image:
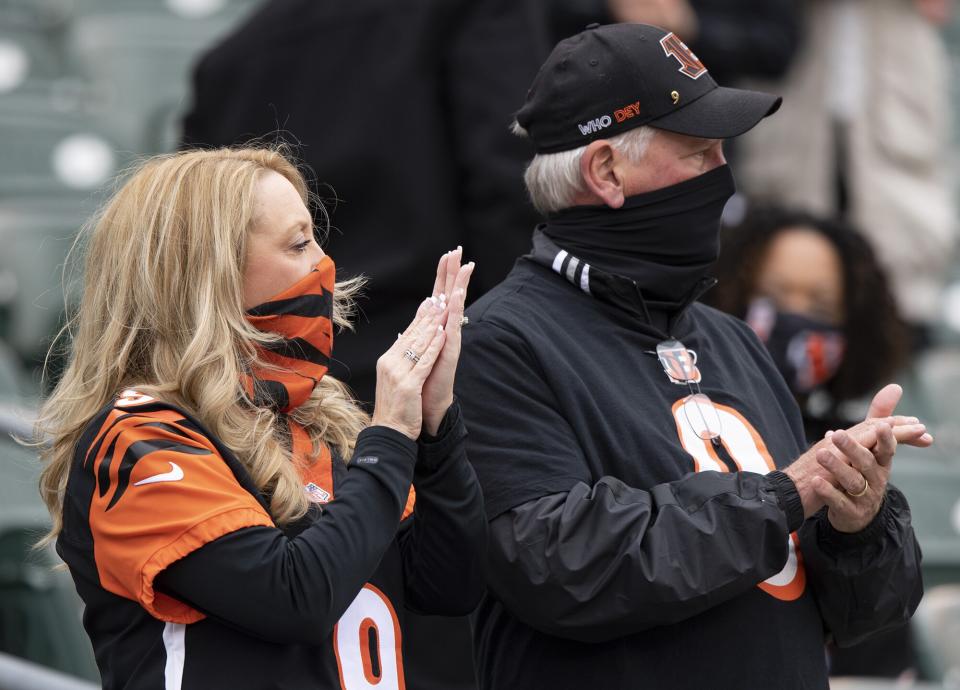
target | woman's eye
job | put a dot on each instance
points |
(302, 247)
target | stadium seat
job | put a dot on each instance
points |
(142, 60)
(36, 237)
(47, 151)
(39, 608)
(937, 630)
(25, 55)
(852, 683)
(937, 396)
(47, 15)
(932, 487)
(10, 373)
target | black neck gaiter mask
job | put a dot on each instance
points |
(664, 240)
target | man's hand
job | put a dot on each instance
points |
(805, 471)
(861, 478)
(450, 292)
(832, 466)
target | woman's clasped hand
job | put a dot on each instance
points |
(415, 376)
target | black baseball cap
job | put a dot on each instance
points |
(609, 79)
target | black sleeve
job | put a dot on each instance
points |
(295, 590)
(609, 560)
(443, 550)
(514, 422)
(865, 582)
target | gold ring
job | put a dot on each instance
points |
(866, 487)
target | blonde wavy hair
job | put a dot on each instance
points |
(161, 312)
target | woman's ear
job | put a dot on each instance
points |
(601, 176)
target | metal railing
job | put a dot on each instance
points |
(17, 674)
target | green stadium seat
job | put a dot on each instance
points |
(190, 9)
(142, 61)
(932, 486)
(25, 55)
(10, 374)
(852, 683)
(47, 15)
(47, 151)
(36, 237)
(39, 608)
(937, 629)
(931, 388)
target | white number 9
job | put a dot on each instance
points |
(746, 447)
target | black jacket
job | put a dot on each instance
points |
(188, 583)
(627, 552)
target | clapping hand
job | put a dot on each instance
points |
(449, 293)
(861, 459)
(403, 369)
(847, 471)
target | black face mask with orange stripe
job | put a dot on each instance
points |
(302, 315)
(664, 240)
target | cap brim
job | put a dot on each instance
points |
(720, 113)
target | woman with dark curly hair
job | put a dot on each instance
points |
(813, 290)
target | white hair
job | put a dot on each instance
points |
(553, 179)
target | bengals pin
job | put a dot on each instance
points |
(679, 363)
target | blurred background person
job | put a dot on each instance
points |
(864, 133)
(737, 38)
(401, 111)
(814, 292)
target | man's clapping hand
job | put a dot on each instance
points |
(847, 471)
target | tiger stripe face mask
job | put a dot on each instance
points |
(303, 316)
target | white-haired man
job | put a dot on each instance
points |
(628, 439)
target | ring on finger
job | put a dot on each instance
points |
(464, 321)
(411, 355)
(866, 487)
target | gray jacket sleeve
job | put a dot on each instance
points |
(865, 582)
(603, 561)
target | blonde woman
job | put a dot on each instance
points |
(230, 517)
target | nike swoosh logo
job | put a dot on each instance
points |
(174, 475)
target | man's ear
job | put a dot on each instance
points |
(600, 173)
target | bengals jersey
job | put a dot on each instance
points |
(627, 548)
(188, 583)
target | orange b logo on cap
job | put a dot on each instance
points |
(690, 64)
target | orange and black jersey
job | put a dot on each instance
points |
(188, 583)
